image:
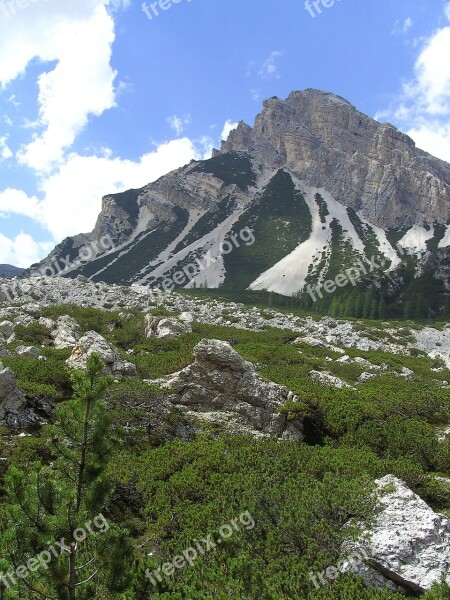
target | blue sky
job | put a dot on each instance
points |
(95, 97)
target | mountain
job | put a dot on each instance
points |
(313, 190)
(10, 271)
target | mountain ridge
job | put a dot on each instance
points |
(321, 187)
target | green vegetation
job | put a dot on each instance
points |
(232, 168)
(63, 502)
(32, 334)
(323, 208)
(161, 485)
(280, 220)
(142, 251)
(42, 378)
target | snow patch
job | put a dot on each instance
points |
(446, 239)
(288, 276)
(415, 240)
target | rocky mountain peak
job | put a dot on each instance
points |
(371, 167)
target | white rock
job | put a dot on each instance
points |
(49, 323)
(326, 378)
(94, 342)
(408, 541)
(186, 317)
(165, 327)
(67, 333)
(344, 359)
(6, 328)
(30, 351)
(365, 377)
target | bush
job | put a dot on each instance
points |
(89, 319)
(35, 334)
(32, 374)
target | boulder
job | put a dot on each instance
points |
(30, 351)
(222, 388)
(24, 320)
(46, 322)
(407, 545)
(94, 342)
(6, 328)
(326, 378)
(14, 411)
(67, 333)
(167, 327)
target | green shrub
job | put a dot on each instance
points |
(35, 334)
(32, 374)
(89, 319)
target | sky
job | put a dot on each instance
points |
(100, 96)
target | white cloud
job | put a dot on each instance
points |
(227, 128)
(17, 202)
(72, 197)
(80, 85)
(269, 67)
(422, 109)
(22, 251)
(72, 42)
(407, 24)
(254, 94)
(5, 151)
(447, 11)
(179, 124)
(404, 27)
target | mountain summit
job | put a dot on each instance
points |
(314, 189)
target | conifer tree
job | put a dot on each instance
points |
(56, 542)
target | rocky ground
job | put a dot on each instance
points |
(331, 333)
(225, 391)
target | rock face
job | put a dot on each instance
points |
(373, 168)
(30, 351)
(326, 378)
(165, 327)
(220, 387)
(408, 545)
(6, 328)
(313, 164)
(93, 342)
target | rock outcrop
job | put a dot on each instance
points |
(166, 327)
(29, 351)
(67, 333)
(408, 545)
(221, 388)
(14, 411)
(373, 168)
(92, 343)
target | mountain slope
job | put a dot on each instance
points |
(313, 189)
(10, 271)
